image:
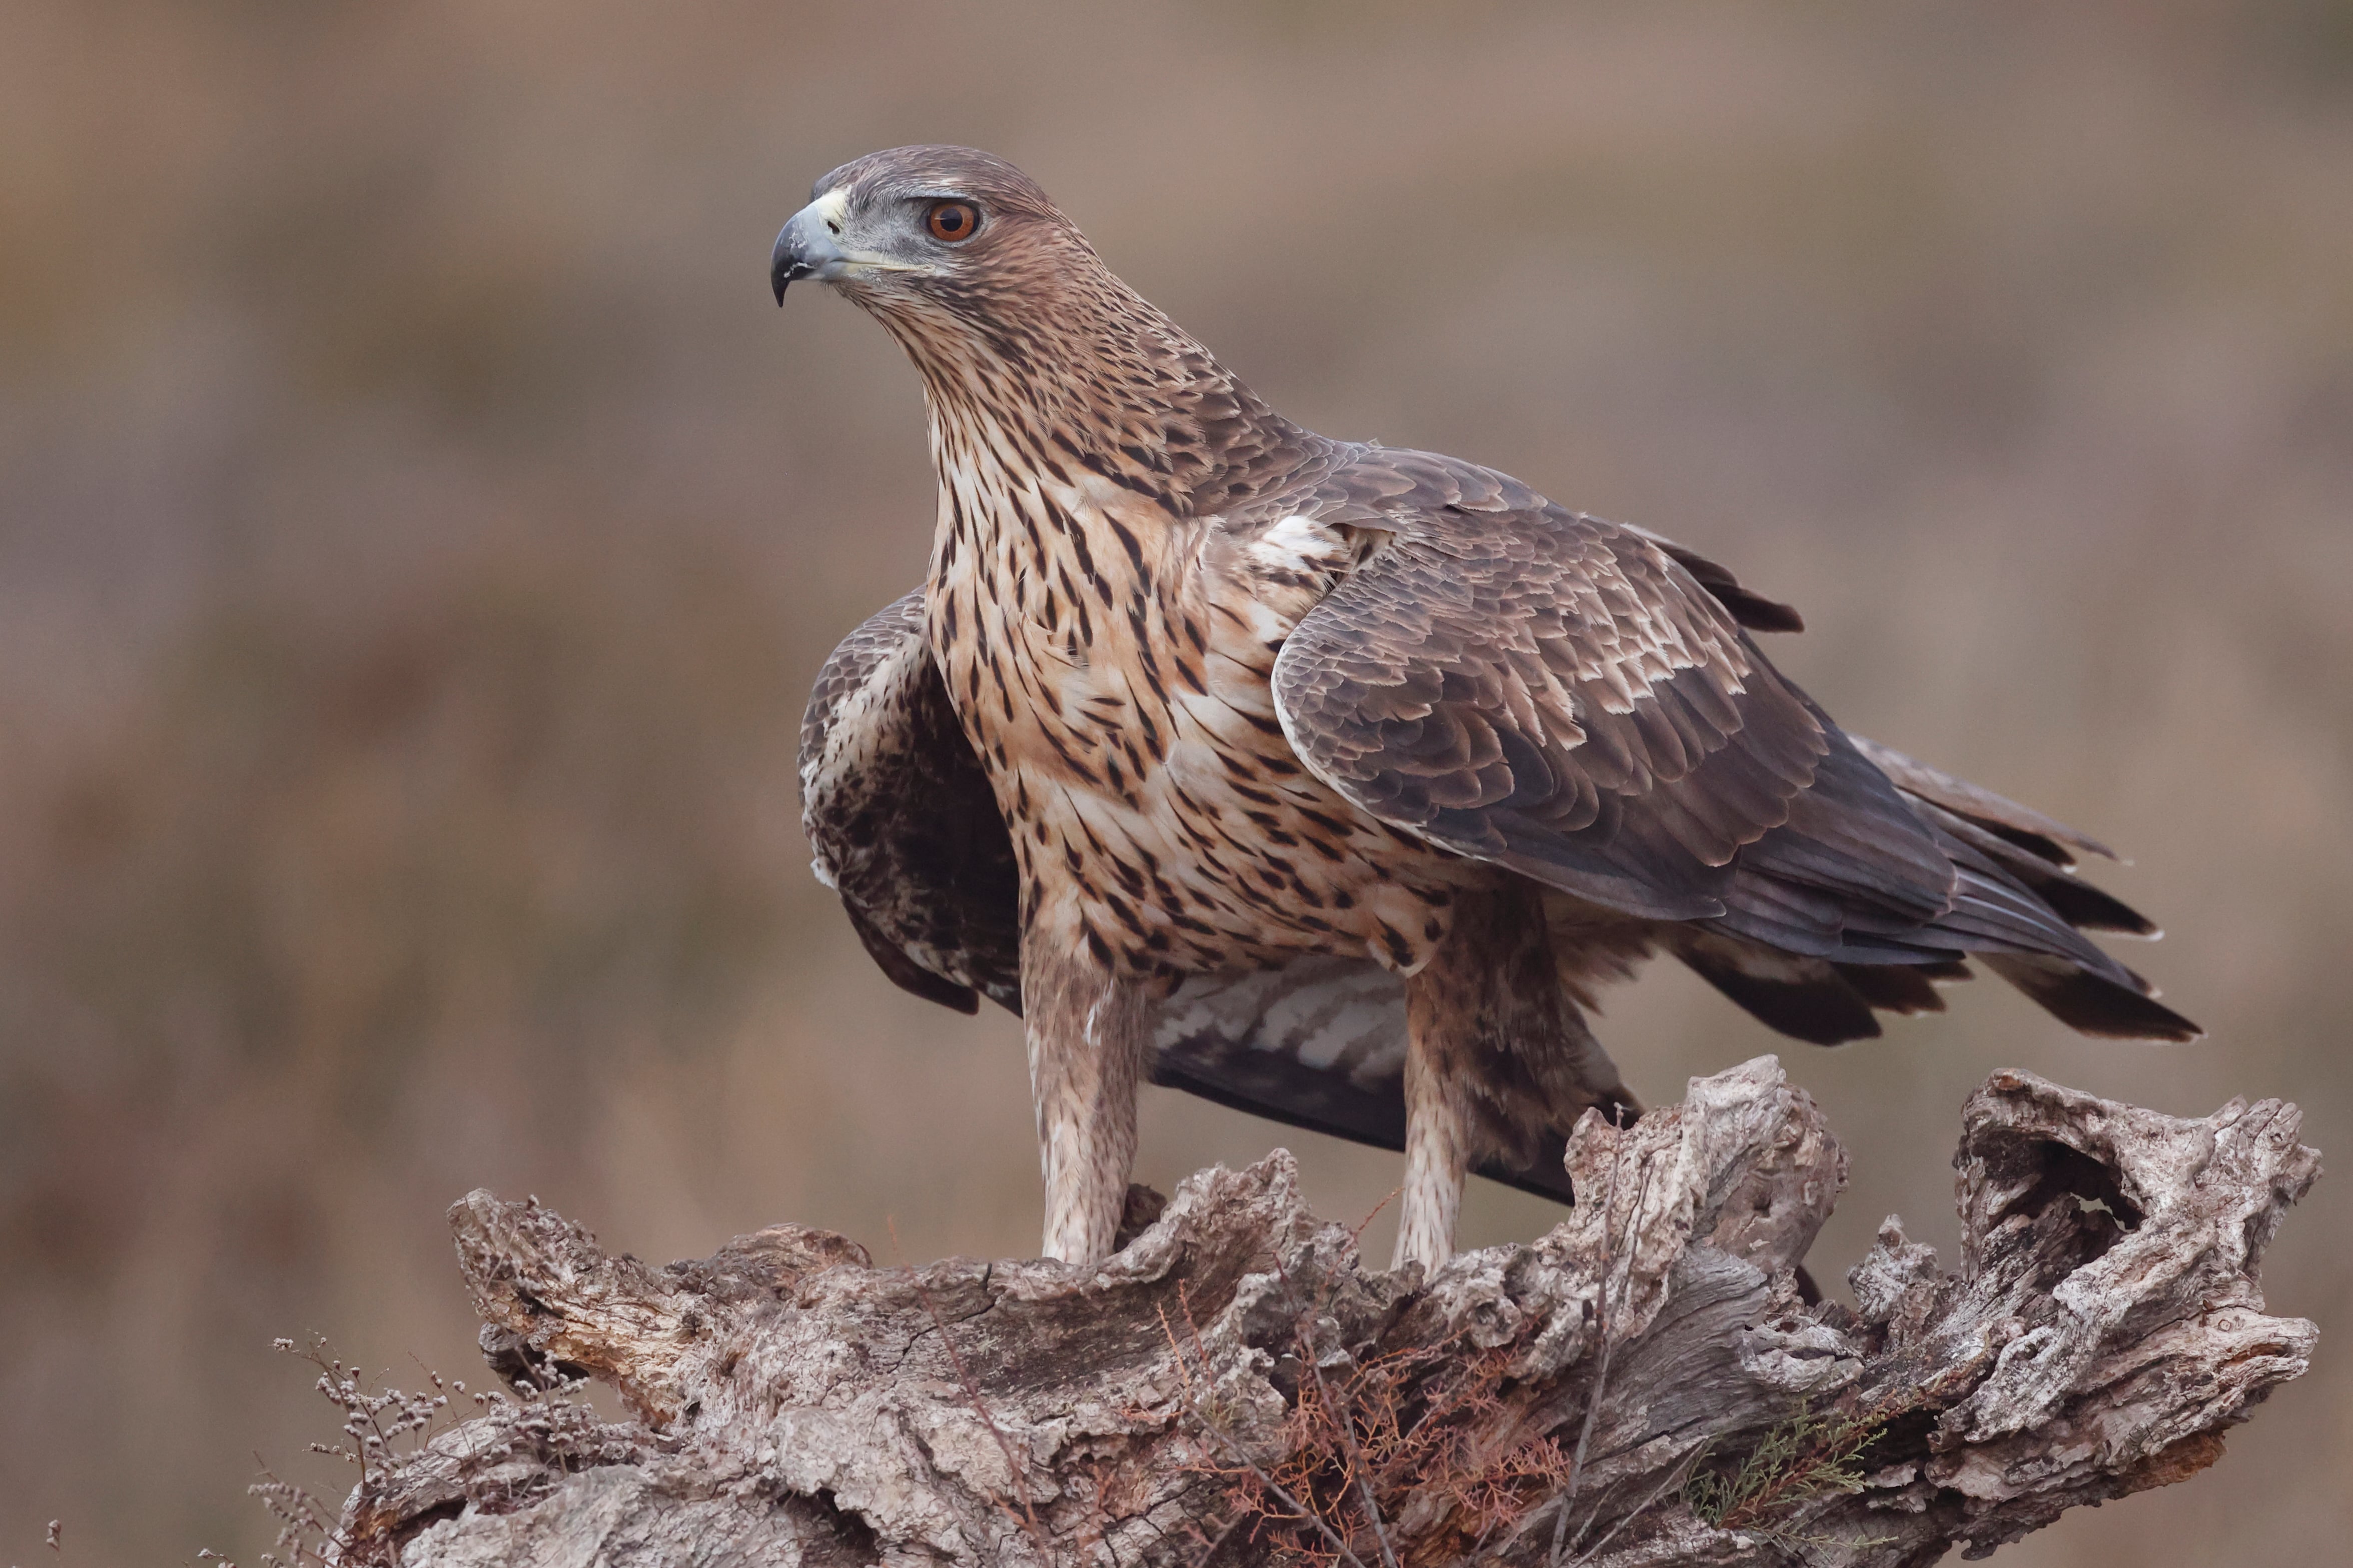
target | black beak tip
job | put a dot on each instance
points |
(781, 268)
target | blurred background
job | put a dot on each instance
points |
(419, 529)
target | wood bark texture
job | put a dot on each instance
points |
(1642, 1385)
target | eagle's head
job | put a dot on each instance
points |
(933, 240)
(1008, 312)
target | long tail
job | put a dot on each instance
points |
(2019, 907)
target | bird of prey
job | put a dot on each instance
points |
(1331, 780)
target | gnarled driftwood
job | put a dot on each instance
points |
(1641, 1385)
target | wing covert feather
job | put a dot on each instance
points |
(1542, 690)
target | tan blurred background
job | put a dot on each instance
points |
(418, 530)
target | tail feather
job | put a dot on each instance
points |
(2045, 836)
(2080, 904)
(1801, 952)
(2091, 1002)
(1909, 989)
(1804, 998)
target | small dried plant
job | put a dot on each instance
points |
(1810, 1456)
(1436, 1429)
(1362, 1440)
(383, 1427)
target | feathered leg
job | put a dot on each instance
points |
(1088, 1030)
(1437, 1142)
(1498, 1059)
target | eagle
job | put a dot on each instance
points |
(1333, 780)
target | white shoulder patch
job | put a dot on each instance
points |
(1297, 542)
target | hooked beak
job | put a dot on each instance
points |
(806, 249)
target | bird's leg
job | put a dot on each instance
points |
(1436, 1143)
(1498, 1059)
(1446, 1011)
(1089, 1029)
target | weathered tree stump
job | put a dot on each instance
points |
(1642, 1385)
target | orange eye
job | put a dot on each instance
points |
(952, 221)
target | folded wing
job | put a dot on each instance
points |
(902, 821)
(1563, 696)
